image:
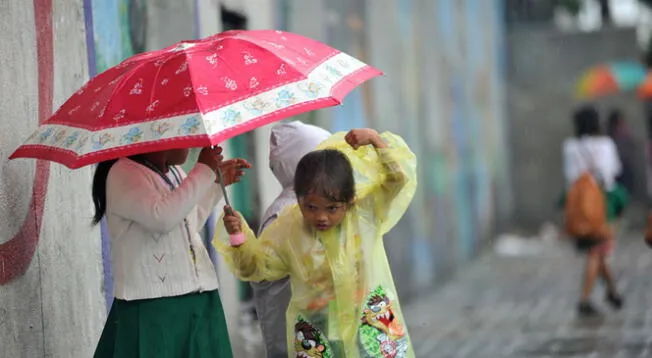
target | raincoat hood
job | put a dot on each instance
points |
(289, 142)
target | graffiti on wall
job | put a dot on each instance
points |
(17, 253)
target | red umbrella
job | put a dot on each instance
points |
(195, 94)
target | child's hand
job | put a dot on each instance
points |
(232, 221)
(233, 170)
(357, 138)
(211, 157)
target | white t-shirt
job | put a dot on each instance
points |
(597, 154)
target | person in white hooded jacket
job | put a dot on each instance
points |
(289, 142)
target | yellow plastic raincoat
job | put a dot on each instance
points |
(344, 302)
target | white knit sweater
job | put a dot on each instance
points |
(151, 248)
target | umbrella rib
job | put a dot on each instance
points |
(160, 68)
(283, 58)
(192, 84)
(130, 72)
(154, 84)
(121, 83)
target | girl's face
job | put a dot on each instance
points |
(177, 156)
(321, 212)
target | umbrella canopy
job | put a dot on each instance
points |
(195, 94)
(610, 78)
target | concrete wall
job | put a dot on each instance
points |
(50, 262)
(543, 67)
(443, 91)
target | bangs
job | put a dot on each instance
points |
(326, 187)
(326, 173)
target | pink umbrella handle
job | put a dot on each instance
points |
(220, 178)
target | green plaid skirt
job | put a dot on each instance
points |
(188, 326)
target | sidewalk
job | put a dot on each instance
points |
(505, 307)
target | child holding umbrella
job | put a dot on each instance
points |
(166, 299)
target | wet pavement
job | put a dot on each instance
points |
(524, 306)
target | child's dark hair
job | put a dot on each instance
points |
(614, 120)
(327, 173)
(99, 189)
(586, 121)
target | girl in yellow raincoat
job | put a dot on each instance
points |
(350, 192)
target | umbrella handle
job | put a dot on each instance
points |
(220, 178)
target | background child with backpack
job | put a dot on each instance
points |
(592, 202)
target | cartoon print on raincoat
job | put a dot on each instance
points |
(334, 272)
(309, 342)
(381, 333)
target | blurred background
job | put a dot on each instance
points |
(482, 90)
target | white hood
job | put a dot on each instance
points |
(289, 142)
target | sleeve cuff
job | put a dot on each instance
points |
(237, 240)
(203, 171)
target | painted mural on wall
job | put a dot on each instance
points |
(466, 36)
(449, 57)
(111, 32)
(17, 253)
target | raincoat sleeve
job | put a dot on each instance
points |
(257, 259)
(386, 178)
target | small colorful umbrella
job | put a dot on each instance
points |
(611, 78)
(195, 94)
(644, 91)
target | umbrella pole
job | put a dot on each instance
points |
(220, 177)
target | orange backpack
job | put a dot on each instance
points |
(585, 210)
(648, 228)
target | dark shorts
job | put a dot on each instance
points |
(585, 245)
